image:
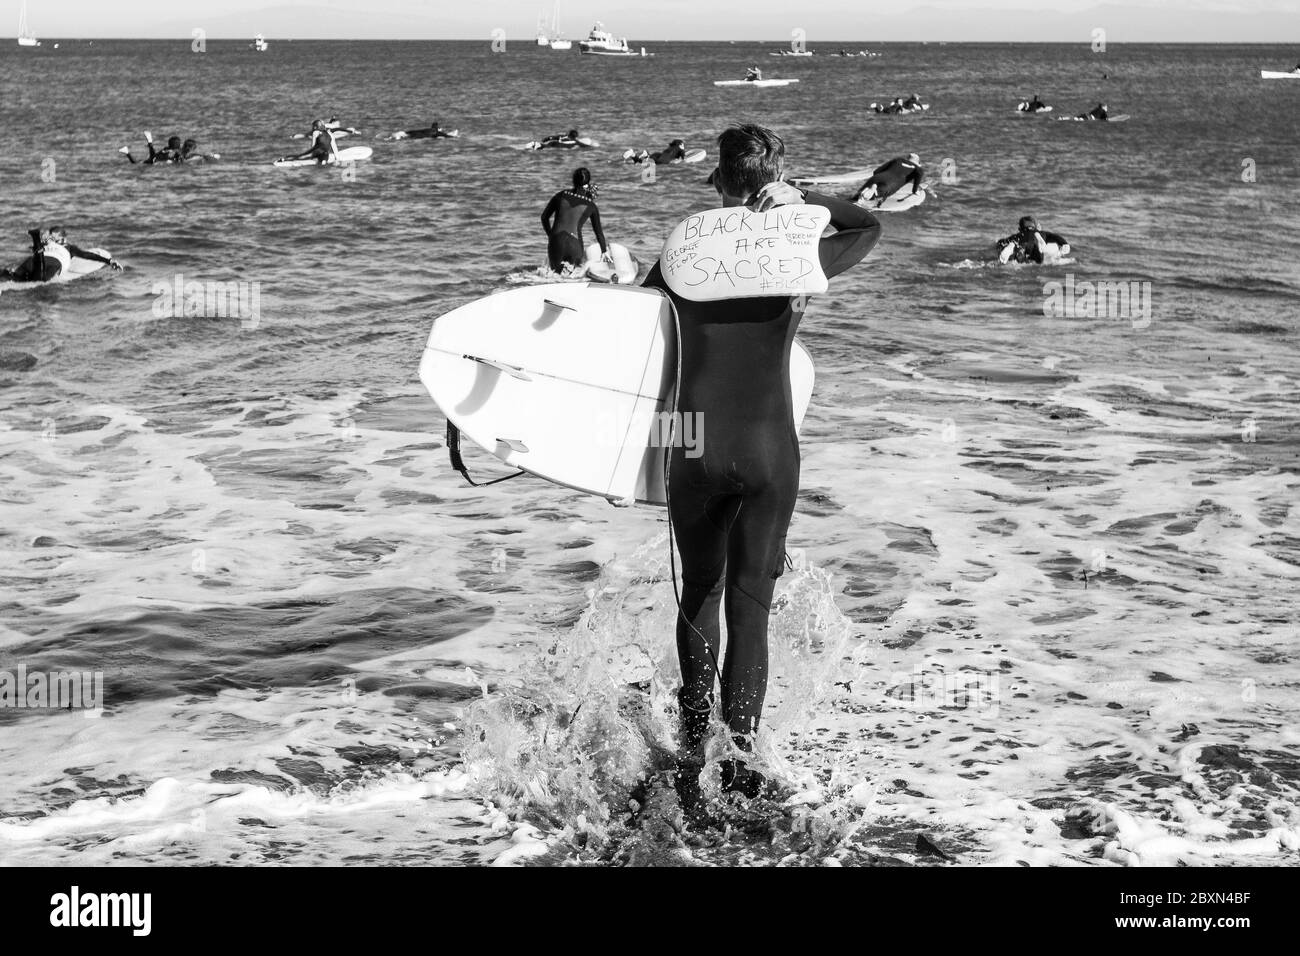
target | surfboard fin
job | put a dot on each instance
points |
(560, 305)
(514, 444)
(510, 370)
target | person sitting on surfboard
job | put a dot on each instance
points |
(51, 255)
(322, 146)
(171, 153)
(753, 74)
(569, 209)
(1034, 105)
(731, 499)
(1030, 243)
(892, 176)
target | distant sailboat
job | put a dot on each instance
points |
(558, 42)
(543, 38)
(25, 37)
(260, 44)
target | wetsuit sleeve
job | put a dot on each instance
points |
(551, 210)
(857, 231)
(595, 225)
(80, 253)
(655, 278)
(915, 178)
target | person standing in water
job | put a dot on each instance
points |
(562, 221)
(730, 502)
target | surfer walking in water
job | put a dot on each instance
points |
(562, 221)
(731, 499)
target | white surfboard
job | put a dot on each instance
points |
(753, 82)
(622, 271)
(900, 201)
(573, 383)
(834, 179)
(352, 154)
(1279, 75)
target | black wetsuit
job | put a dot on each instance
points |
(320, 147)
(1027, 248)
(570, 210)
(433, 131)
(669, 155)
(160, 157)
(731, 505)
(892, 176)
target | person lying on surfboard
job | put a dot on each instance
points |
(675, 151)
(322, 146)
(570, 140)
(913, 103)
(569, 209)
(1098, 112)
(51, 255)
(1030, 242)
(171, 153)
(730, 500)
(433, 131)
(892, 176)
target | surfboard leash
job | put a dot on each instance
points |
(458, 463)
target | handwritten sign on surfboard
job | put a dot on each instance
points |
(735, 253)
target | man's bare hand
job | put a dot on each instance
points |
(776, 194)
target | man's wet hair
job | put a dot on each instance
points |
(1028, 222)
(749, 157)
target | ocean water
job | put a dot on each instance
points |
(1044, 600)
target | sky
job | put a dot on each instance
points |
(828, 21)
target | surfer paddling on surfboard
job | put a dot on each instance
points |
(1031, 244)
(676, 152)
(731, 495)
(562, 221)
(52, 255)
(892, 176)
(173, 152)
